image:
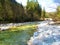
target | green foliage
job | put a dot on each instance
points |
(43, 14)
(33, 10)
(57, 14)
(11, 11)
(58, 11)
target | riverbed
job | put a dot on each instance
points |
(46, 34)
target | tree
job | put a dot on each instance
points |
(58, 12)
(43, 14)
(33, 9)
(56, 15)
(11, 11)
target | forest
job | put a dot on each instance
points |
(11, 11)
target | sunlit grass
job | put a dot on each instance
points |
(17, 35)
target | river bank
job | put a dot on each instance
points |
(10, 25)
(18, 35)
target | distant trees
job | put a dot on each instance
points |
(11, 11)
(43, 15)
(58, 13)
(33, 10)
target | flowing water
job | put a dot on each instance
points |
(46, 34)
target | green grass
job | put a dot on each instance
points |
(17, 35)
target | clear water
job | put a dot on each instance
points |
(46, 34)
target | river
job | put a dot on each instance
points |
(46, 34)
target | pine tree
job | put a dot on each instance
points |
(33, 9)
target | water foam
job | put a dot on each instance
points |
(46, 35)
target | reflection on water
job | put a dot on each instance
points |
(46, 34)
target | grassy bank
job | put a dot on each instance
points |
(17, 35)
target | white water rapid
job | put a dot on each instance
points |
(46, 34)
